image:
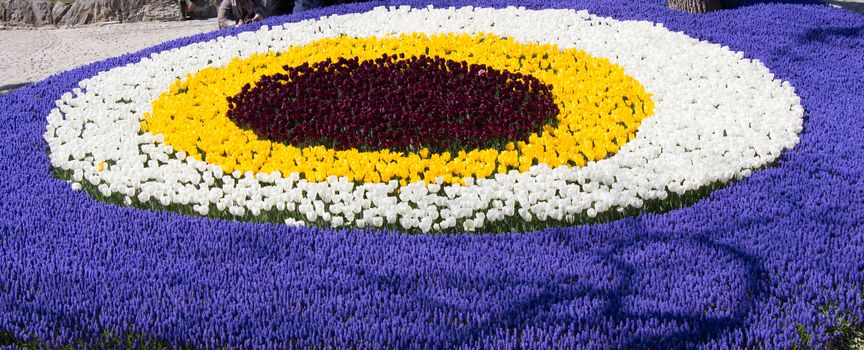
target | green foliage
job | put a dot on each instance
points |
(107, 340)
(846, 333)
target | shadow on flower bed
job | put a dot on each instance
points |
(5, 89)
(846, 4)
(703, 305)
(832, 35)
(744, 3)
(690, 290)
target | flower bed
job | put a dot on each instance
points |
(711, 123)
(647, 115)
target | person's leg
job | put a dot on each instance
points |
(229, 21)
(184, 10)
(278, 7)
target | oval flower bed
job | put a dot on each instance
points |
(424, 118)
(718, 120)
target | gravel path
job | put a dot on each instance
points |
(30, 55)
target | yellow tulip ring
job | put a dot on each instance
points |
(600, 109)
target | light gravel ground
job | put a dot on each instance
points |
(30, 55)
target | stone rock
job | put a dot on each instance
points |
(16, 11)
(78, 12)
(59, 10)
(42, 12)
(92, 11)
(154, 10)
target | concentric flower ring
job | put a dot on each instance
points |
(600, 109)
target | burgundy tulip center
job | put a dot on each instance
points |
(395, 103)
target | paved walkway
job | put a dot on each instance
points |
(30, 55)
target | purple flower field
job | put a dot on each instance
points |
(770, 261)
